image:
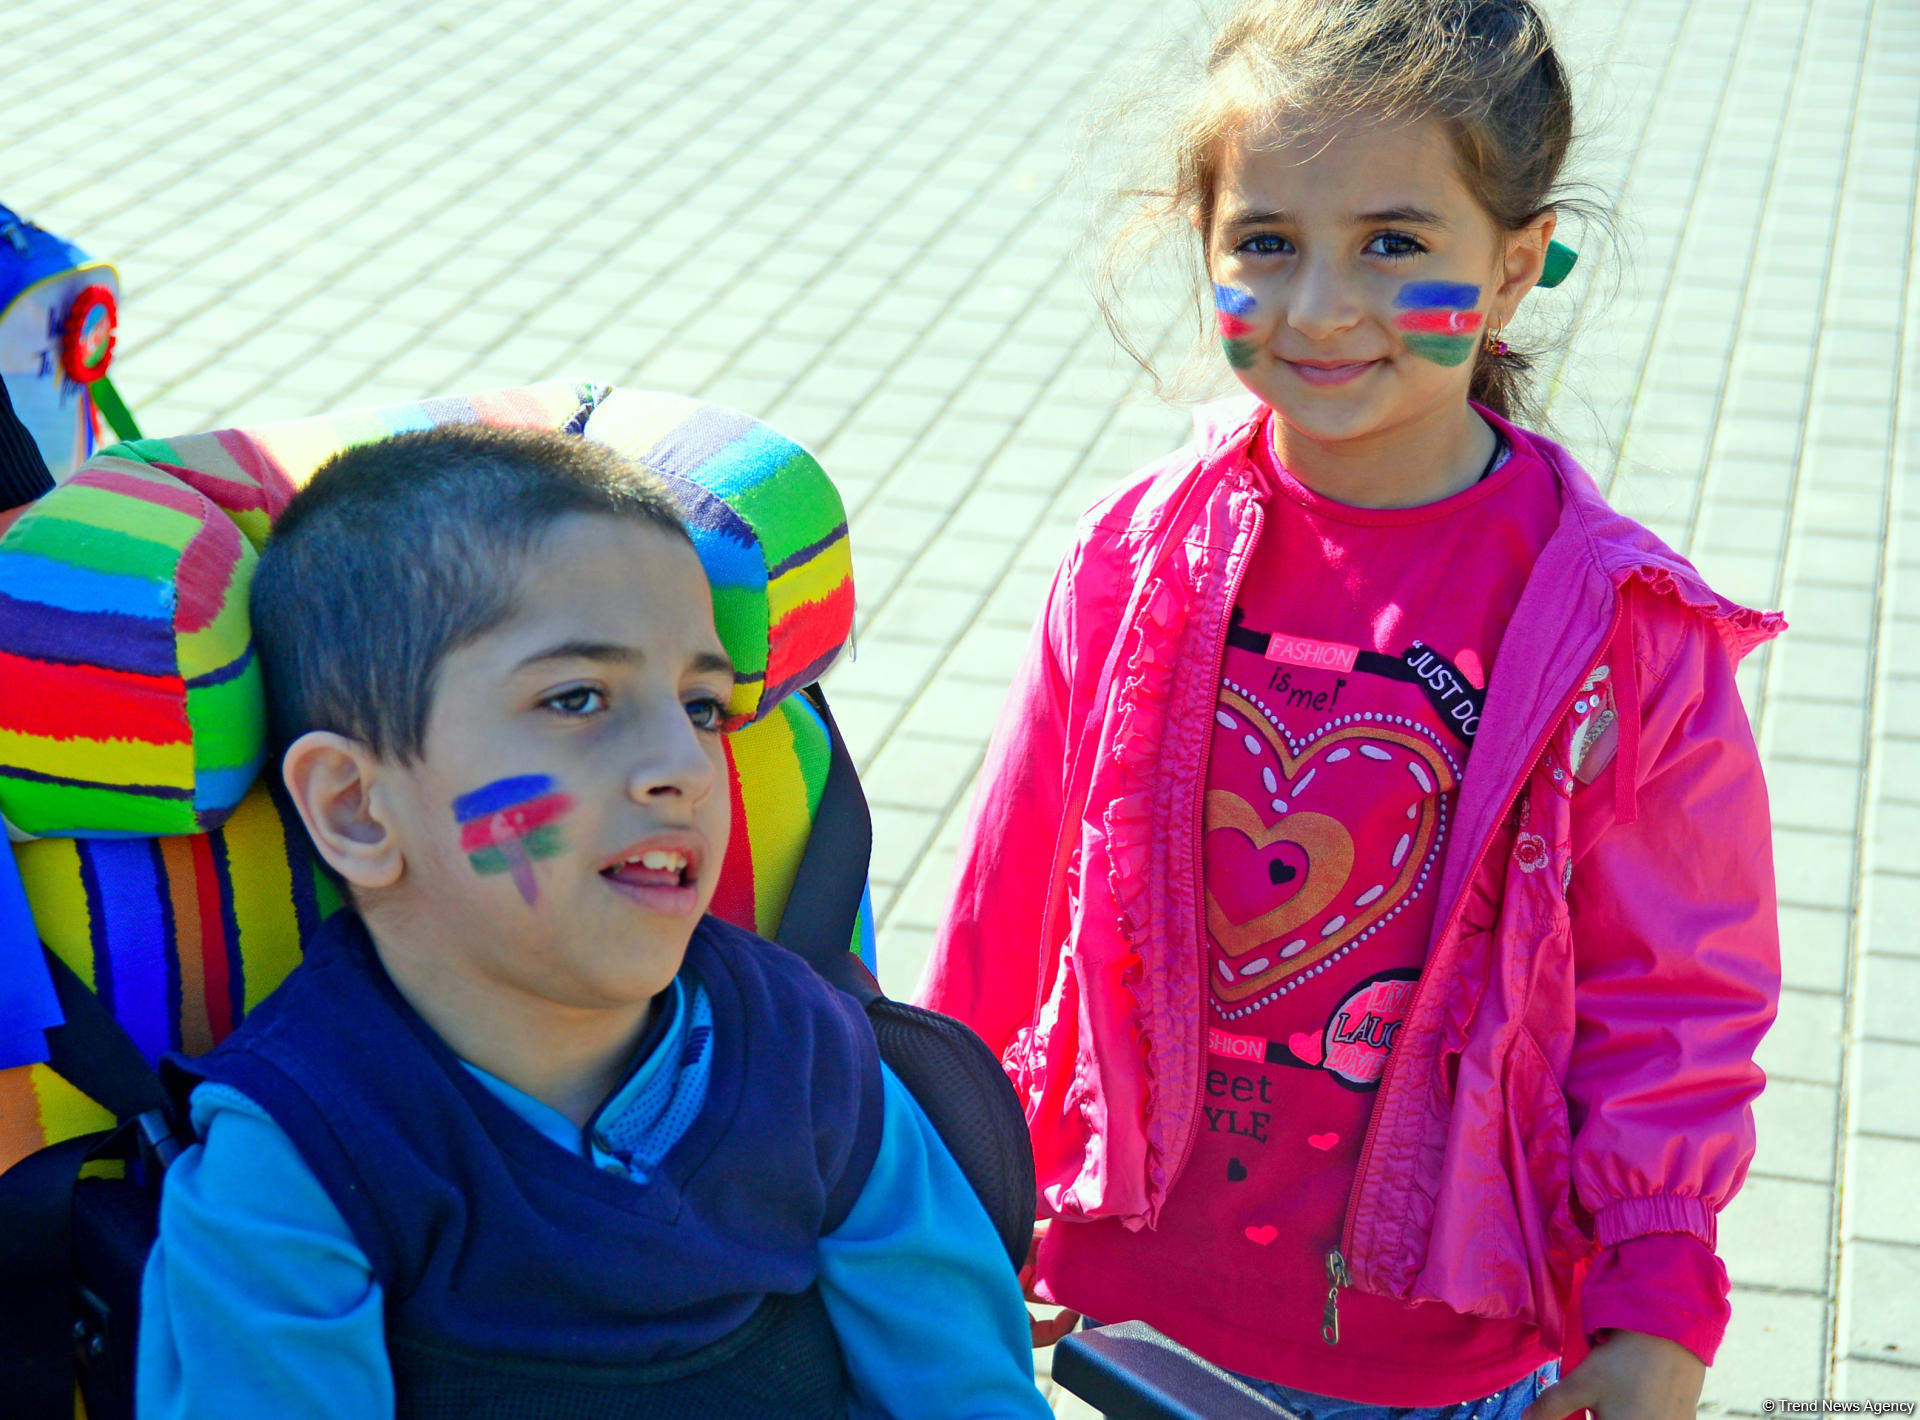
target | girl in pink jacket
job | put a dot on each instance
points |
(1369, 886)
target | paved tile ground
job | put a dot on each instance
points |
(850, 216)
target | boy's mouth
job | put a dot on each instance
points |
(661, 873)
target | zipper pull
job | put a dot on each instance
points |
(1337, 1277)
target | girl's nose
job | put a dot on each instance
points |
(673, 762)
(1320, 304)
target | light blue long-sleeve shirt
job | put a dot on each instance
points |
(257, 1300)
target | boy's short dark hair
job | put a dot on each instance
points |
(401, 551)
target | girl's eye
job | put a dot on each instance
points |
(706, 712)
(1265, 244)
(579, 702)
(1394, 244)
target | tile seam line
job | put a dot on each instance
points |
(449, 103)
(1587, 293)
(844, 121)
(840, 185)
(371, 204)
(378, 366)
(323, 21)
(694, 317)
(1686, 221)
(1073, 92)
(320, 283)
(1882, 623)
(128, 52)
(1776, 1289)
(1039, 209)
(1025, 219)
(1702, 488)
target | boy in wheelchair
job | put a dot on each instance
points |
(527, 1131)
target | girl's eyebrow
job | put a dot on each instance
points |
(1280, 217)
(1412, 216)
(1246, 217)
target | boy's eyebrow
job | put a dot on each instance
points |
(610, 651)
(613, 652)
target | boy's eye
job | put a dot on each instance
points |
(1392, 244)
(1265, 244)
(579, 701)
(706, 712)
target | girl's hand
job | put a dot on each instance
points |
(1045, 1333)
(1629, 1376)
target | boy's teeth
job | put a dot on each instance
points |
(662, 861)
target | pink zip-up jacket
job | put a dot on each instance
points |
(1576, 1069)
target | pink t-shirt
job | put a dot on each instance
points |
(1350, 694)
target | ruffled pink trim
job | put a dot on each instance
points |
(1743, 627)
(1145, 683)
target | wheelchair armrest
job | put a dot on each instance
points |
(1129, 1371)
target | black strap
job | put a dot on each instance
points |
(96, 1056)
(824, 904)
(36, 1280)
(23, 472)
(94, 1053)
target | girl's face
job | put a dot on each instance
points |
(1355, 275)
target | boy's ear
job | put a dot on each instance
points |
(1526, 257)
(333, 783)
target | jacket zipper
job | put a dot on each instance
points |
(1330, 1314)
(1199, 800)
(1337, 1274)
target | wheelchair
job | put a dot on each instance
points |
(159, 885)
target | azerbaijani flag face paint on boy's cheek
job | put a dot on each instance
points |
(1234, 305)
(507, 824)
(1438, 321)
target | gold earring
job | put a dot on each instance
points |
(1494, 344)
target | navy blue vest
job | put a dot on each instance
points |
(487, 1239)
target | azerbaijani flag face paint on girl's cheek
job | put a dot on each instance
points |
(506, 825)
(1234, 306)
(1438, 321)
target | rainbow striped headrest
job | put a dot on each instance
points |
(129, 701)
(770, 529)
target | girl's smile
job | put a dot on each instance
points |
(1323, 373)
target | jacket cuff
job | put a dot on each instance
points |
(1663, 1284)
(1656, 1213)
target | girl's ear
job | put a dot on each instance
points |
(1523, 261)
(335, 784)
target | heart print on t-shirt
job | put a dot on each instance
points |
(1313, 843)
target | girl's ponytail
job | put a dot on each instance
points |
(1502, 381)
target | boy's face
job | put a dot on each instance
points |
(563, 831)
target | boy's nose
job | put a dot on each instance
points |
(673, 763)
